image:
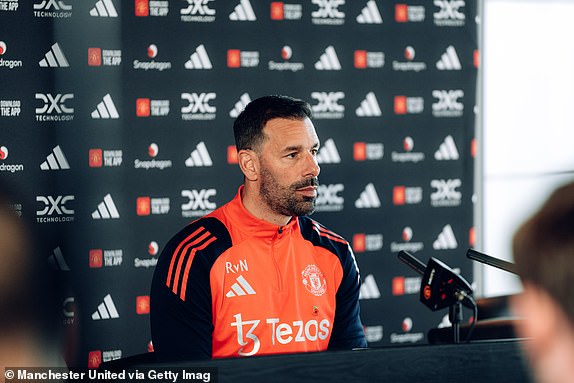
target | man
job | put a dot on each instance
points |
(257, 276)
(543, 250)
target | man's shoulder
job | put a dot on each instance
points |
(319, 235)
(208, 234)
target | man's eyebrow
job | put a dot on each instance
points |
(293, 148)
(298, 147)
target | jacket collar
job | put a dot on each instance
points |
(247, 222)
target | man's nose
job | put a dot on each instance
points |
(312, 168)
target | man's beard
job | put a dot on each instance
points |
(284, 200)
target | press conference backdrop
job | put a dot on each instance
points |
(116, 119)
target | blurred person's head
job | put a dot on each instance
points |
(27, 296)
(543, 250)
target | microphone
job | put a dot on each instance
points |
(412, 262)
(491, 261)
(440, 286)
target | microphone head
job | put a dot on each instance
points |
(441, 287)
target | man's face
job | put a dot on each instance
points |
(288, 162)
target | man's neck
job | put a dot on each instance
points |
(259, 209)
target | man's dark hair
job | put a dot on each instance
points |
(543, 248)
(248, 127)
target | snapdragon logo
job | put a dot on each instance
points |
(406, 244)
(10, 64)
(327, 106)
(151, 261)
(6, 167)
(198, 203)
(409, 65)
(408, 155)
(53, 9)
(286, 65)
(55, 209)
(198, 107)
(281, 332)
(328, 12)
(152, 52)
(54, 107)
(407, 336)
(198, 11)
(153, 163)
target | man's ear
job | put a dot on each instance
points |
(249, 164)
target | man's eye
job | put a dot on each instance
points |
(314, 152)
(292, 155)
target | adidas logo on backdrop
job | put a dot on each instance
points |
(104, 8)
(106, 209)
(106, 109)
(55, 160)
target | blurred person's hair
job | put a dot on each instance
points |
(28, 296)
(543, 248)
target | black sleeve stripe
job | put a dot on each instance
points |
(179, 254)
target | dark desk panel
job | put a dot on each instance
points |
(498, 361)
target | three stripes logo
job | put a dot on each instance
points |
(447, 150)
(199, 59)
(106, 209)
(369, 107)
(106, 109)
(104, 8)
(106, 310)
(57, 260)
(199, 157)
(182, 259)
(239, 288)
(328, 154)
(445, 240)
(370, 14)
(243, 12)
(240, 105)
(369, 288)
(55, 160)
(54, 58)
(449, 60)
(328, 60)
(369, 198)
